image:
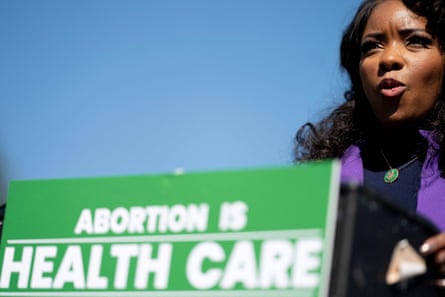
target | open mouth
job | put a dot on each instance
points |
(391, 88)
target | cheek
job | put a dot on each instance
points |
(367, 79)
(363, 71)
(441, 80)
(432, 84)
(431, 76)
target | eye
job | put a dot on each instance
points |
(419, 41)
(369, 45)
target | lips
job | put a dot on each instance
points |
(389, 87)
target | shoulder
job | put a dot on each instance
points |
(351, 165)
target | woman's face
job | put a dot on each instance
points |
(401, 67)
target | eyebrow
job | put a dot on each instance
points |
(403, 32)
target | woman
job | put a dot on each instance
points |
(390, 131)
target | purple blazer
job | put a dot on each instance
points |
(431, 195)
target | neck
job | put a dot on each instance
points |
(398, 145)
(394, 137)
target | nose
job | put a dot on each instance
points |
(391, 59)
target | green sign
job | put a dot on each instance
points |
(250, 233)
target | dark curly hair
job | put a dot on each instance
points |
(353, 119)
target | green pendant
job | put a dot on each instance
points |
(391, 175)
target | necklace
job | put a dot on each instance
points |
(393, 173)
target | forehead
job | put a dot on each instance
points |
(393, 14)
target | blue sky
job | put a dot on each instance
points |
(125, 87)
